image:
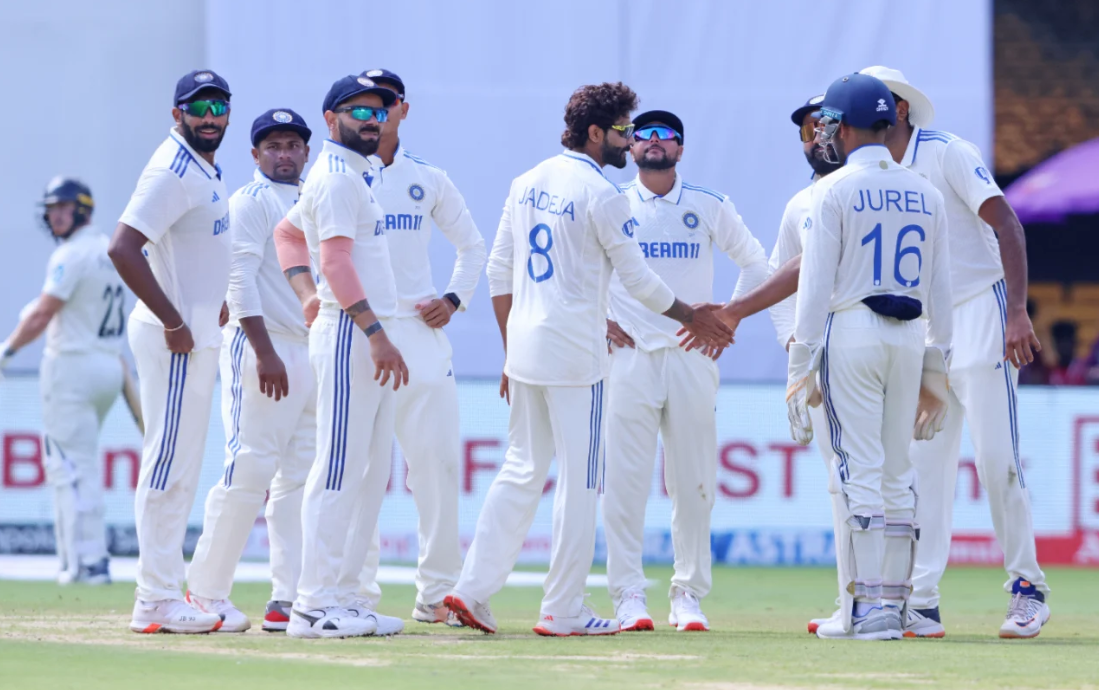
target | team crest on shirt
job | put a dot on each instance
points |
(690, 220)
(281, 116)
(807, 224)
(366, 82)
(416, 192)
(374, 73)
(203, 77)
(983, 174)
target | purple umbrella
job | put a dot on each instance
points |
(1066, 184)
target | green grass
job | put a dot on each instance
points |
(76, 637)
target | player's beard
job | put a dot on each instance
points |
(198, 143)
(662, 163)
(614, 155)
(353, 140)
(820, 166)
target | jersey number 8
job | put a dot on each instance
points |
(540, 251)
(875, 237)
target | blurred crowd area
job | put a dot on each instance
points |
(1046, 75)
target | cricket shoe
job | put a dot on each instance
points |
(876, 624)
(172, 616)
(470, 613)
(383, 625)
(330, 621)
(686, 614)
(233, 619)
(587, 623)
(435, 613)
(924, 623)
(632, 613)
(815, 623)
(277, 616)
(1027, 612)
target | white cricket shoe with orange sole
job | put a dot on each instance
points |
(686, 614)
(172, 616)
(587, 623)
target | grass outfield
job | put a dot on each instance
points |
(77, 637)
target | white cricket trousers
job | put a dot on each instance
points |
(176, 393)
(270, 446)
(429, 435)
(346, 483)
(546, 421)
(870, 379)
(77, 392)
(983, 394)
(674, 392)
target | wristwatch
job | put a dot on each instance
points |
(453, 299)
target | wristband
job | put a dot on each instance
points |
(172, 330)
(453, 299)
(372, 328)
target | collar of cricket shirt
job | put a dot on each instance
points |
(645, 194)
(360, 163)
(868, 153)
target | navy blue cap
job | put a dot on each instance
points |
(193, 82)
(351, 86)
(663, 117)
(859, 100)
(811, 105)
(384, 75)
(279, 120)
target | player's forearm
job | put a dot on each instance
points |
(133, 268)
(467, 271)
(256, 331)
(780, 285)
(301, 282)
(1009, 231)
(27, 331)
(501, 306)
(680, 311)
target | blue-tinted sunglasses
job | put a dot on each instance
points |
(364, 112)
(662, 133)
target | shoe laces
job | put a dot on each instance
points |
(632, 601)
(1022, 607)
(688, 602)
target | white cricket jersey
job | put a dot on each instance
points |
(336, 201)
(790, 243)
(257, 286)
(677, 234)
(410, 191)
(875, 228)
(955, 167)
(564, 229)
(181, 206)
(93, 318)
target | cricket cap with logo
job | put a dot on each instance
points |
(386, 77)
(811, 106)
(279, 120)
(921, 113)
(662, 117)
(193, 82)
(859, 100)
(355, 85)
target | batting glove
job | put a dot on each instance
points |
(934, 396)
(801, 389)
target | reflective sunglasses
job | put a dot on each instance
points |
(624, 130)
(662, 133)
(364, 112)
(200, 108)
(808, 131)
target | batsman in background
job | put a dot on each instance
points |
(992, 329)
(413, 192)
(82, 311)
(564, 229)
(269, 392)
(876, 260)
(656, 386)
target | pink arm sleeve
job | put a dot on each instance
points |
(290, 245)
(337, 269)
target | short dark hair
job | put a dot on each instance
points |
(879, 126)
(598, 104)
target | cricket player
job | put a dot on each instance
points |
(411, 191)
(82, 311)
(338, 226)
(268, 391)
(172, 249)
(656, 386)
(989, 275)
(876, 260)
(564, 228)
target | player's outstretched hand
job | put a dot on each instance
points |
(179, 341)
(310, 308)
(223, 316)
(617, 336)
(1020, 343)
(437, 312)
(273, 381)
(387, 361)
(703, 328)
(505, 389)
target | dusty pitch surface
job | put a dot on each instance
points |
(52, 637)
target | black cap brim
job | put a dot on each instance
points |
(184, 97)
(798, 116)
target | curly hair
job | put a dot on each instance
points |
(599, 105)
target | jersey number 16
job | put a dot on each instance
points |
(875, 237)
